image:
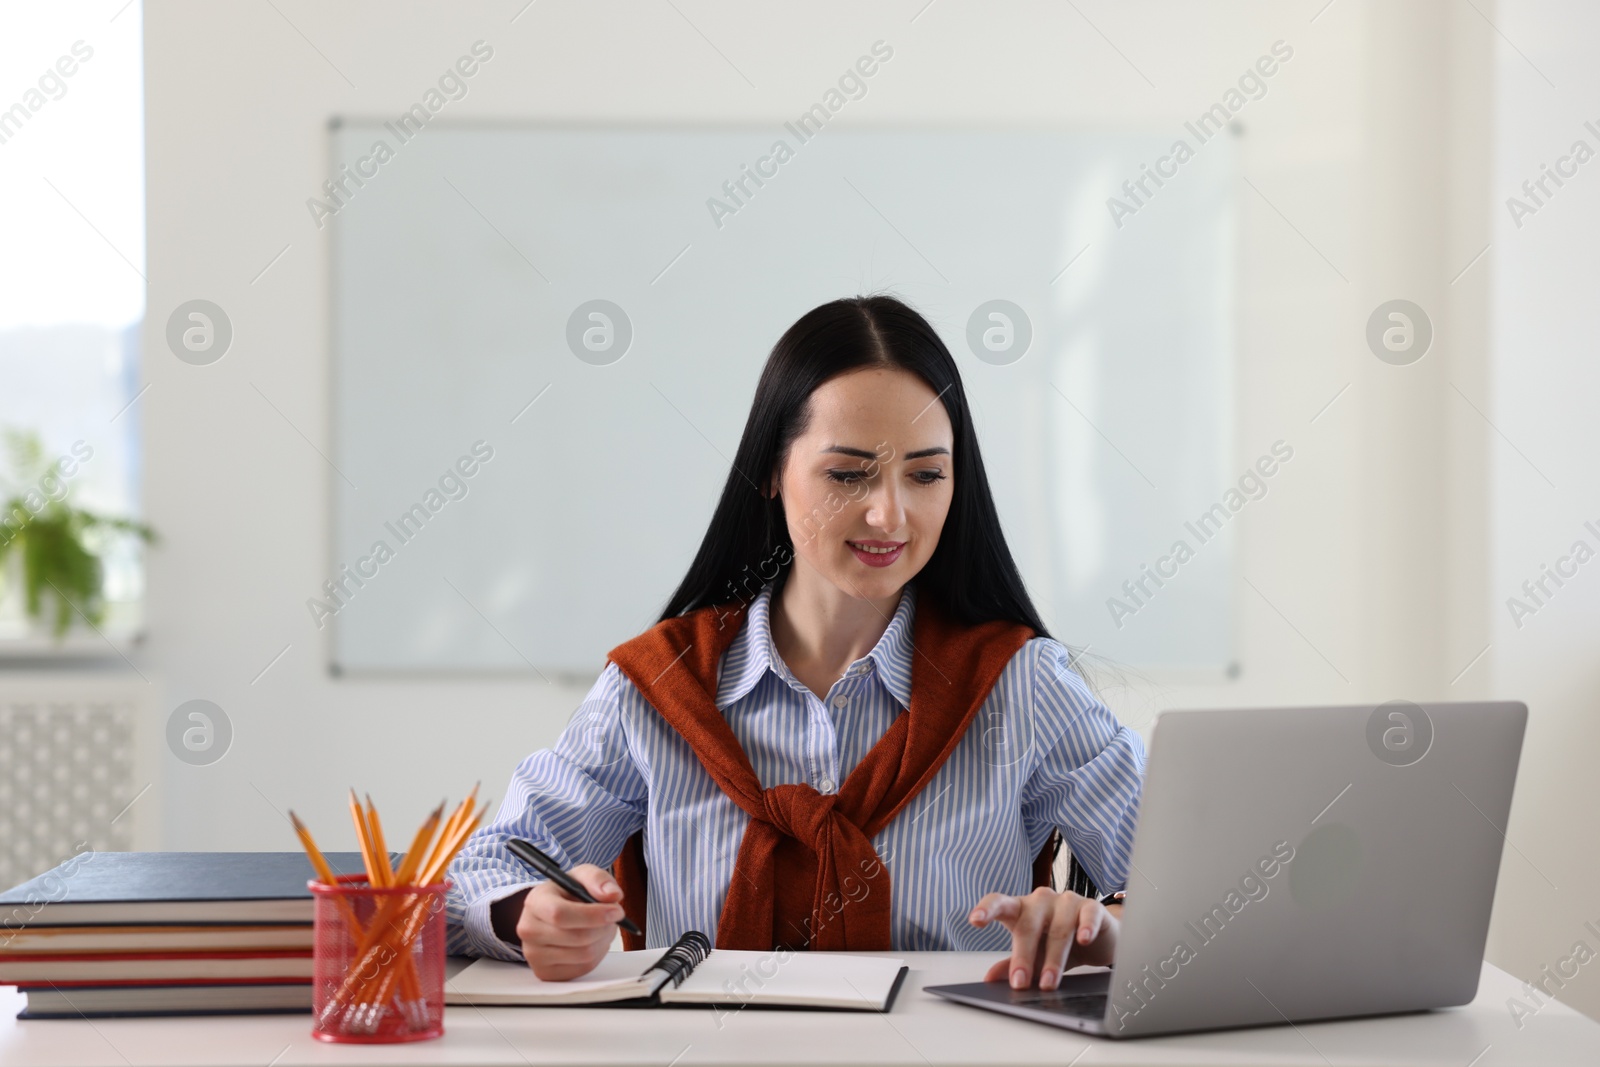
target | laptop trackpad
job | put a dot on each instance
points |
(1080, 995)
(1083, 995)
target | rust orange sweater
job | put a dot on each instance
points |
(807, 875)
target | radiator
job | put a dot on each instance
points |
(72, 772)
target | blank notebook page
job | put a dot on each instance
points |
(799, 979)
(489, 981)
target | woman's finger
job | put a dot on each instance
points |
(559, 965)
(561, 910)
(562, 956)
(1064, 924)
(1091, 917)
(1026, 932)
(994, 906)
(598, 881)
(560, 937)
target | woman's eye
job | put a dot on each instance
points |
(921, 477)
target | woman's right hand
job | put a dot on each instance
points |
(1050, 934)
(563, 937)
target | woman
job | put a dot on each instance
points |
(849, 730)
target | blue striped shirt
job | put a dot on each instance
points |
(1043, 752)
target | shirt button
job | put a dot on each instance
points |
(840, 702)
(825, 786)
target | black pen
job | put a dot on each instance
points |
(539, 861)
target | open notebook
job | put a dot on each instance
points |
(690, 972)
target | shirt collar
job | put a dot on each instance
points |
(752, 653)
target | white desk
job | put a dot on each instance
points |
(922, 1030)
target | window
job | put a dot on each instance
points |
(72, 281)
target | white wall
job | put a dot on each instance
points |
(1371, 562)
(1545, 485)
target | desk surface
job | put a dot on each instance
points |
(921, 1030)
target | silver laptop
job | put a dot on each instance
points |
(1299, 863)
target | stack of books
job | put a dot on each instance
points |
(163, 933)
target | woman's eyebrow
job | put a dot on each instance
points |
(846, 450)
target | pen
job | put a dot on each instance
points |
(529, 854)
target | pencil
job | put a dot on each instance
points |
(411, 984)
(319, 862)
(447, 851)
(408, 866)
(364, 840)
(379, 846)
(463, 809)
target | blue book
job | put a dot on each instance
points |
(118, 1002)
(169, 888)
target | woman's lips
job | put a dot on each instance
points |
(879, 558)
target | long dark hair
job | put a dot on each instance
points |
(971, 574)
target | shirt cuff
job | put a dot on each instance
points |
(479, 925)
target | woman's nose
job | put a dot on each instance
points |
(887, 513)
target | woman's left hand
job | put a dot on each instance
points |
(1050, 933)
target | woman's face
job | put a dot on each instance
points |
(867, 487)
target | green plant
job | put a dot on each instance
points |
(57, 542)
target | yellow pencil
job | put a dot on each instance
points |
(408, 866)
(364, 840)
(463, 811)
(447, 852)
(454, 820)
(319, 862)
(385, 869)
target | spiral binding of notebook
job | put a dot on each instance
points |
(687, 953)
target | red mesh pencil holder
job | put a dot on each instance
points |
(377, 961)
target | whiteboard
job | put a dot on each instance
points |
(460, 260)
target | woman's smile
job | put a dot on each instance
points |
(876, 553)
